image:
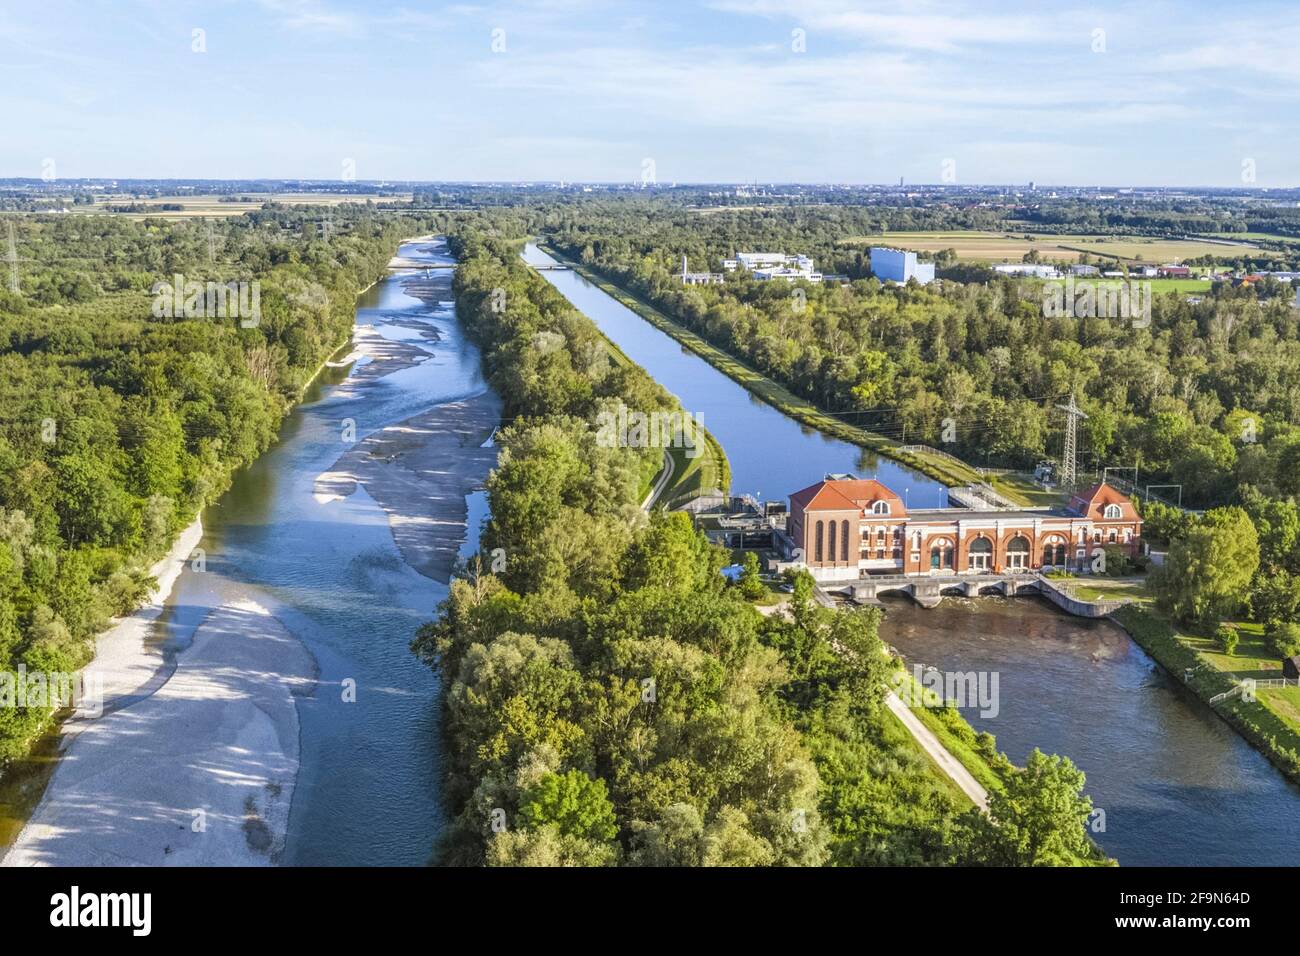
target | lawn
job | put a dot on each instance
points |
(1024, 491)
(1101, 589)
(994, 247)
(1271, 722)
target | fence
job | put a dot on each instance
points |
(1256, 684)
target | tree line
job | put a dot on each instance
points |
(609, 699)
(116, 426)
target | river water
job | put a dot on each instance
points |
(368, 787)
(1178, 786)
(771, 454)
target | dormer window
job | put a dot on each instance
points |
(1113, 511)
(880, 508)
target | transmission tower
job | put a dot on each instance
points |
(1069, 455)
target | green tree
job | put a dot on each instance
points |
(1284, 639)
(1208, 572)
(1041, 814)
(751, 585)
(575, 803)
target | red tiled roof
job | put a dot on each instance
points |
(1091, 502)
(849, 494)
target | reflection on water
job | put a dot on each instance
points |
(1178, 785)
(368, 788)
(770, 455)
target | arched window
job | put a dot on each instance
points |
(935, 556)
(1113, 511)
(818, 549)
(832, 548)
(1018, 553)
(979, 556)
(844, 541)
(880, 508)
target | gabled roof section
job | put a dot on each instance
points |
(1092, 502)
(846, 494)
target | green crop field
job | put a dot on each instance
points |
(992, 247)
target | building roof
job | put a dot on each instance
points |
(1091, 503)
(859, 494)
(847, 494)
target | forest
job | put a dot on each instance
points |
(1205, 396)
(117, 426)
(610, 700)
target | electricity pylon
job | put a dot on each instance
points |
(1069, 455)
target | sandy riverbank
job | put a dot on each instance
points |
(200, 772)
(126, 661)
(196, 757)
(419, 471)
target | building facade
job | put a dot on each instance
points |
(897, 265)
(843, 529)
(775, 265)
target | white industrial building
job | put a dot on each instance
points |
(774, 265)
(1027, 269)
(898, 265)
(700, 278)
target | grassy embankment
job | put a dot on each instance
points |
(977, 752)
(935, 466)
(1271, 723)
(706, 472)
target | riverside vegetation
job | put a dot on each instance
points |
(117, 425)
(609, 699)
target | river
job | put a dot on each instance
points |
(334, 576)
(1177, 785)
(368, 785)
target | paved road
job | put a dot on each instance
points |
(665, 476)
(938, 752)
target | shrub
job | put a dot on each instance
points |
(1284, 639)
(1227, 637)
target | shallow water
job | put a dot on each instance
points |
(368, 787)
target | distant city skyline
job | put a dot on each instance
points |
(724, 92)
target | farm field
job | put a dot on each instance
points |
(213, 206)
(993, 247)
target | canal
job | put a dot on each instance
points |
(1177, 785)
(771, 454)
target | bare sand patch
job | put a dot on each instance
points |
(199, 773)
(419, 471)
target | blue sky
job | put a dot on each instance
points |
(1157, 93)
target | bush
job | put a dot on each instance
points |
(1227, 637)
(1284, 639)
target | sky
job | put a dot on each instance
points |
(816, 91)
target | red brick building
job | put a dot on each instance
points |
(848, 528)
